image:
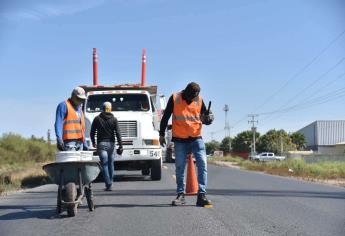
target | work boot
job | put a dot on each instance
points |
(108, 188)
(202, 200)
(179, 200)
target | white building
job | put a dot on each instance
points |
(323, 135)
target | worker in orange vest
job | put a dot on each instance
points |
(188, 114)
(70, 123)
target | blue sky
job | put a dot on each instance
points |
(257, 56)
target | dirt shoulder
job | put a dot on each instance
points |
(339, 182)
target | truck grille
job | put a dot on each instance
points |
(128, 128)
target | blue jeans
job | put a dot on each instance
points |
(73, 146)
(105, 151)
(197, 147)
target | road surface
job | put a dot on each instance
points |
(245, 203)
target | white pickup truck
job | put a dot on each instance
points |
(267, 156)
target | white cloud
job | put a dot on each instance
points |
(17, 10)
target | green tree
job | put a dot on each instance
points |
(242, 141)
(275, 141)
(212, 146)
(225, 145)
(299, 140)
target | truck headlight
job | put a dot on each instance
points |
(154, 142)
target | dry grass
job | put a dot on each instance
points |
(21, 161)
(23, 177)
(291, 167)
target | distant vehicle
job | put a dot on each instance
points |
(218, 153)
(266, 156)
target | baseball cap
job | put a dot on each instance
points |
(79, 92)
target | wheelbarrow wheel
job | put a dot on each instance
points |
(70, 196)
(88, 194)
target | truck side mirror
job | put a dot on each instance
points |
(162, 102)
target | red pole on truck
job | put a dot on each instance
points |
(95, 67)
(143, 68)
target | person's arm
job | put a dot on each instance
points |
(93, 132)
(166, 116)
(61, 112)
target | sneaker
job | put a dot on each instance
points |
(202, 200)
(180, 200)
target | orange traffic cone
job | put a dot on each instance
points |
(192, 182)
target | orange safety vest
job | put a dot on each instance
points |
(186, 118)
(73, 125)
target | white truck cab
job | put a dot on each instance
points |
(134, 108)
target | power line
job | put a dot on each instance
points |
(304, 68)
(335, 94)
(296, 75)
(305, 88)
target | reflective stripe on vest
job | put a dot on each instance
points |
(186, 118)
(73, 125)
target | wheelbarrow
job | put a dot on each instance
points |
(74, 180)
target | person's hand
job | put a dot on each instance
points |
(60, 145)
(119, 151)
(162, 141)
(207, 118)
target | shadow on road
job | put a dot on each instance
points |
(137, 192)
(228, 192)
(278, 193)
(132, 205)
(28, 212)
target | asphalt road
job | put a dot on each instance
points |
(245, 203)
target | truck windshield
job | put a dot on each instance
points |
(119, 102)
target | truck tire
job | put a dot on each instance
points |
(70, 196)
(156, 170)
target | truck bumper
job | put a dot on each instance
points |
(136, 155)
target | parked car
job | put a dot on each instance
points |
(266, 156)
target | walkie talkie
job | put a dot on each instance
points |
(209, 107)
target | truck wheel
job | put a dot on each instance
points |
(70, 196)
(145, 171)
(156, 170)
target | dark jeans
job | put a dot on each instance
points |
(105, 151)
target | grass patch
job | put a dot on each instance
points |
(21, 162)
(30, 177)
(290, 167)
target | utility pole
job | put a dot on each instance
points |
(227, 126)
(253, 121)
(281, 144)
(48, 137)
